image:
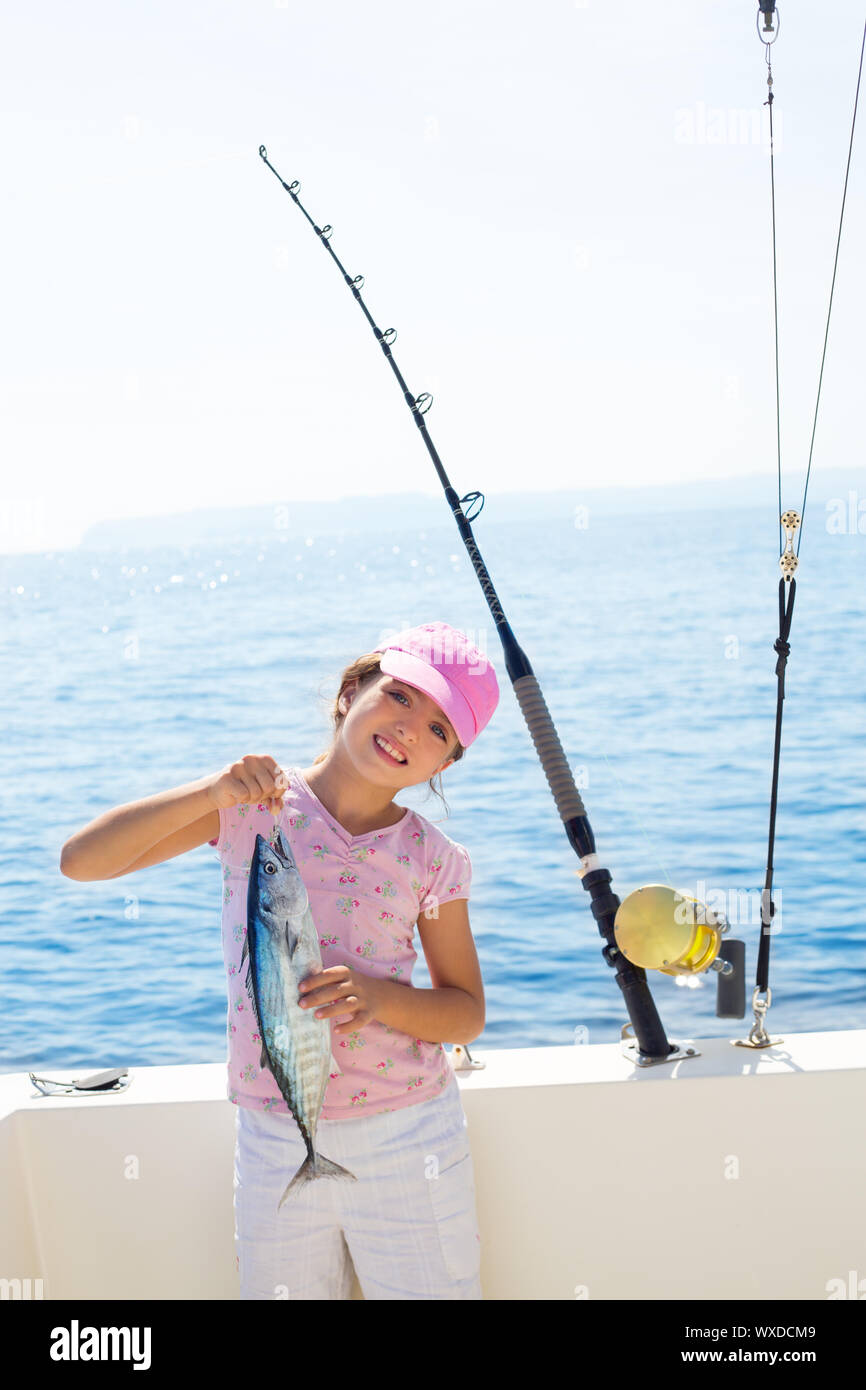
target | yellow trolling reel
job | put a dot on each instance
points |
(658, 928)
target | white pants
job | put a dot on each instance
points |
(408, 1224)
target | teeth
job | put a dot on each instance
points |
(383, 743)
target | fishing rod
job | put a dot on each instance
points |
(697, 932)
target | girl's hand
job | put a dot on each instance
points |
(253, 779)
(345, 991)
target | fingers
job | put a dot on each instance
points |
(340, 1006)
(334, 1000)
(325, 985)
(360, 1020)
(258, 779)
(330, 1000)
(281, 786)
(320, 999)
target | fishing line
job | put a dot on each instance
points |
(833, 283)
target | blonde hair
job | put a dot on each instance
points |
(364, 670)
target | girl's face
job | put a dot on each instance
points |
(409, 720)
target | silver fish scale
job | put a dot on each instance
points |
(297, 1044)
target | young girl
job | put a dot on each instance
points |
(392, 1113)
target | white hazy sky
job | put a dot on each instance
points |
(563, 208)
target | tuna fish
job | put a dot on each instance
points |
(280, 950)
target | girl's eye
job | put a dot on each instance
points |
(442, 734)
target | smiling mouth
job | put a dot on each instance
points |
(396, 761)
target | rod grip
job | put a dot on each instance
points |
(548, 747)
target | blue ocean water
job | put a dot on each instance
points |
(130, 672)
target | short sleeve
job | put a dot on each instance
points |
(219, 843)
(236, 840)
(449, 877)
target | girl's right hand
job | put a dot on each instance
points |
(253, 779)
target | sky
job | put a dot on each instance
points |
(563, 208)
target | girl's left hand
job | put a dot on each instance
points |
(344, 991)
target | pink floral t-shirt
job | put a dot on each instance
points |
(366, 894)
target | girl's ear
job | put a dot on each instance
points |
(348, 696)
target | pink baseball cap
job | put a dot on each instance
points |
(441, 661)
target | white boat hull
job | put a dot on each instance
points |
(736, 1174)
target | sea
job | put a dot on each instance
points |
(130, 671)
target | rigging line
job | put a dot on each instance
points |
(781, 646)
(832, 287)
(769, 102)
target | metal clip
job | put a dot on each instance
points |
(462, 1061)
(758, 1036)
(98, 1083)
(767, 8)
(788, 560)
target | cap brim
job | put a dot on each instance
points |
(424, 677)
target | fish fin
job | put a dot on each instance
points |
(292, 939)
(316, 1167)
(251, 993)
(248, 986)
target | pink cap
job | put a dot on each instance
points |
(441, 661)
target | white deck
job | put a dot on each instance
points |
(736, 1174)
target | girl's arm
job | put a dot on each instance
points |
(453, 1011)
(134, 836)
(159, 827)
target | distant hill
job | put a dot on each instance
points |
(400, 511)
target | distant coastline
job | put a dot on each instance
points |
(27, 527)
(415, 509)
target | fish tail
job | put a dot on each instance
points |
(315, 1166)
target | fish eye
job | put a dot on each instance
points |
(270, 868)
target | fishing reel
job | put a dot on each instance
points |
(658, 928)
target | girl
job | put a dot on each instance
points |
(392, 1113)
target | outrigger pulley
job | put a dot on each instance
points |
(767, 8)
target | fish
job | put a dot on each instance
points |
(281, 948)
